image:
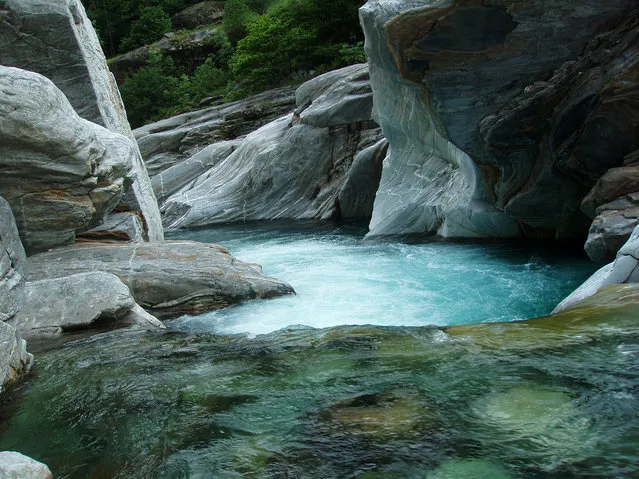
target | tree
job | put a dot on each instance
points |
(152, 24)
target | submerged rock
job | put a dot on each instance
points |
(14, 465)
(497, 127)
(383, 416)
(468, 469)
(78, 301)
(61, 174)
(167, 279)
(298, 166)
(56, 39)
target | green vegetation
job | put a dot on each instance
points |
(260, 44)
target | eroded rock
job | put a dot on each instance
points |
(496, 125)
(168, 142)
(61, 174)
(56, 39)
(167, 279)
(14, 358)
(296, 166)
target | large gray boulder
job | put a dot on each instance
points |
(13, 264)
(61, 174)
(75, 302)
(168, 279)
(56, 39)
(497, 126)
(14, 465)
(296, 166)
(624, 269)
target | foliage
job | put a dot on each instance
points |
(237, 15)
(114, 19)
(149, 27)
(297, 35)
(160, 89)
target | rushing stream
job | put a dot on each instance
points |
(547, 398)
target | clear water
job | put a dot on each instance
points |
(340, 278)
(548, 398)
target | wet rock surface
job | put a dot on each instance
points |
(168, 279)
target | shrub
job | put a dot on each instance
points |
(152, 24)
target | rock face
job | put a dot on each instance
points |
(199, 14)
(13, 264)
(298, 166)
(497, 126)
(55, 38)
(14, 465)
(625, 269)
(61, 174)
(14, 358)
(171, 141)
(168, 279)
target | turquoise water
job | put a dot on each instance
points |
(235, 394)
(340, 278)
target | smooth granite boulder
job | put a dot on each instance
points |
(296, 166)
(497, 126)
(14, 358)
(167, 279)
(74, 302)
(14, 465)
(13, 264)
(61, 174)
(56, 39)
(171, 141)
(624, 269)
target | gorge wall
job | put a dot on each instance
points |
(501, 115)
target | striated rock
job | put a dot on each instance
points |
(14, 465)
(13, 264)
(56, 39)
(61, 174)
(168, 142)
(202, 13)
(167, 279)
(74, 302)
(496, 125)
(357, 195)
(625, 269)
(126, 226)
(296, 166)
(14, 358)
(191, 172)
